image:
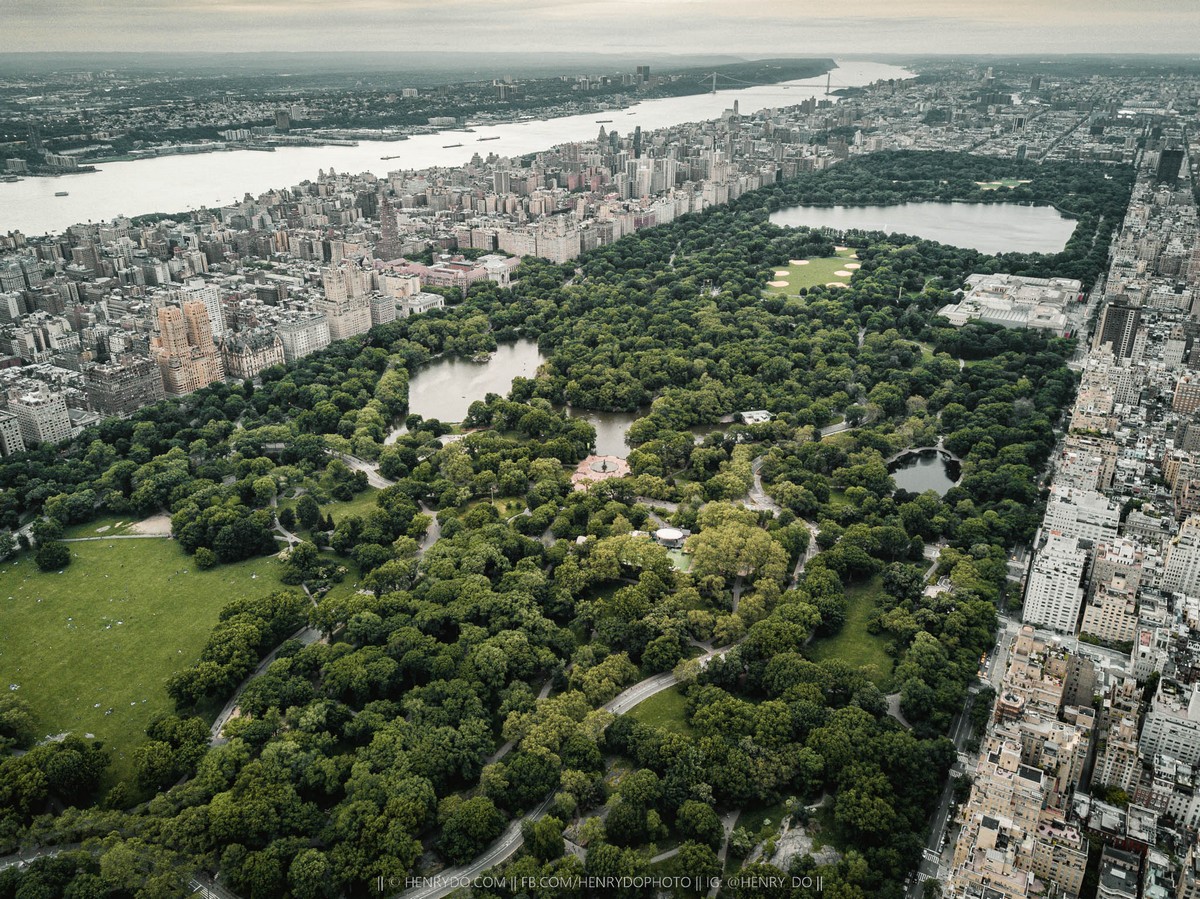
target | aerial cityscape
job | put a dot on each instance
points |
(721, 455)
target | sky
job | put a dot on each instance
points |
(761, 28)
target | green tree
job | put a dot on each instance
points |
(53, 556)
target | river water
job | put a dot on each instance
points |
(988, 227)
(178, 183)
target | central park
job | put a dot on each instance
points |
(477, 613)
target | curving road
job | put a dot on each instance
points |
(305, 635)
(507, 844)
(451, 879)
(759, 500)
(374, 478)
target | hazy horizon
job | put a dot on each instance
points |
(620, 27)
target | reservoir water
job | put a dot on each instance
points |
(177, 183)
(988, 227)
(930, 469)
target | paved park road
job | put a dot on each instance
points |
(510, 841)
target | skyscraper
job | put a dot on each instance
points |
(1169, 162)
(1119, 326)
(389, 242)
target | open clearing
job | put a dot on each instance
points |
(90, 649)
(665, 710)
(813, 272)
(1006, 183)
(362, 505)
(853, 644)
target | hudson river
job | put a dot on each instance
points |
(178, 183)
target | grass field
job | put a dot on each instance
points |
(507, 507)
(90, 649)
(815, 272)
(755, 818)
(361, 505)
(837, 497)
(664, 710)
(853, 644)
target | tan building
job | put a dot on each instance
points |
(1111, 613)
(1118, 557)
(1016, 839)
(1187, 395)
(1118, 763)
(184, 349)
(1189, 877)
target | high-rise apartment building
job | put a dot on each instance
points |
(389, 240)
(184, 349)
(303, 335)
(41, 415)
(1054, 594)
(1118, 327)
(1111, 613)
(122, 387)
(11, 440)
(1170, 160)
(1181, 561)
(1172, 724)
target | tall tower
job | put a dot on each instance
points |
(389, 241)
(1118, 326)
(1170, 159)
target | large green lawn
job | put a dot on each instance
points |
(813, 273)
(853, 644)
(665, 710)
(90, 649)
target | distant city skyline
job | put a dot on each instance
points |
(766, 28)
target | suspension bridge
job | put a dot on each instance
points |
(728, 82)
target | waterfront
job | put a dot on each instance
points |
(987, 227)
(177, 183)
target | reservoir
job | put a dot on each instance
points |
(928, 469)
(177, 183)
(988, 227)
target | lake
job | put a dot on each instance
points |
(988, 227)
(445, 388)
(917, 472)
(178, 183)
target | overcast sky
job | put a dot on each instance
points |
(757, 27)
